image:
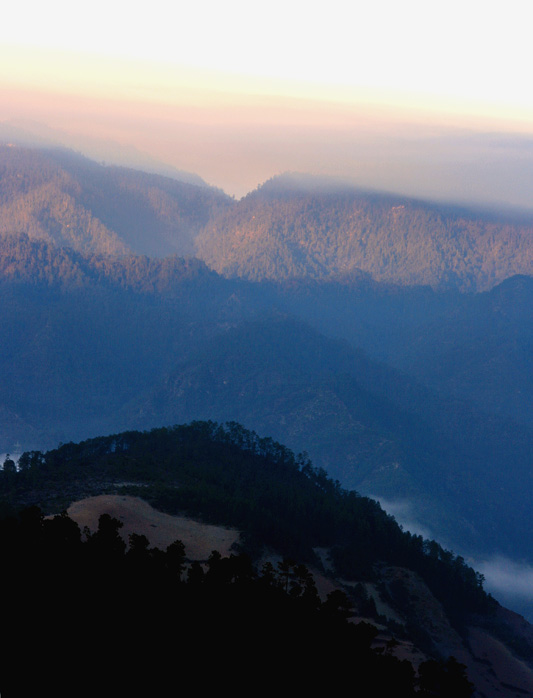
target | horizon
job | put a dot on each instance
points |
(373, 95)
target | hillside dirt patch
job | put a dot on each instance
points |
(137, 516)
(508, 675)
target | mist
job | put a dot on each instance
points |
(403, 512)
(237, 144)
(504, 576)
(509, 581)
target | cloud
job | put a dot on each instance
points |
(403, 512)
(509, 581)
(506, 577)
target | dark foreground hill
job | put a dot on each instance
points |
(91, 593)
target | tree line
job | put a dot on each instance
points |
(88, 610)
(226, 474)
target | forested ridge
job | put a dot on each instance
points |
(34, 262)
(102, 603)
(290, 227)
(98, 338)
(64, 198)
(225, 474)
(229, 475)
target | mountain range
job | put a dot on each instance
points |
(291, 227)
(390, 339)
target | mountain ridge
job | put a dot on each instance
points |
(95, 342)
(282, 230)
(70, 200)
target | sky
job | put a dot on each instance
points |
(424, 98)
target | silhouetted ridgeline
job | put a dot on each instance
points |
(36, 262)
(90, 609)
(229, 475)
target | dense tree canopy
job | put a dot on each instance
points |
(86, 608)
(227, 474)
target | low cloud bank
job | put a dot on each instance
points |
(507, 577)
(509, 581)
(403, 512)
(503, 576)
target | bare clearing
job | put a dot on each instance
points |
(137, 516)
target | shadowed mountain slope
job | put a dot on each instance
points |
(370, 427)
(474, 346)
(92, 345)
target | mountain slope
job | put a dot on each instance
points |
(300, 227)
(291, 227)
(481, 350)
(373, 429)
(59, 196)
(93, 345)
(473, 346)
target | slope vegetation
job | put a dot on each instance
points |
(64, 198)
(95, 345)
(290, 227)
(293, 227)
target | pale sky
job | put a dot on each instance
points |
(388, 93)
